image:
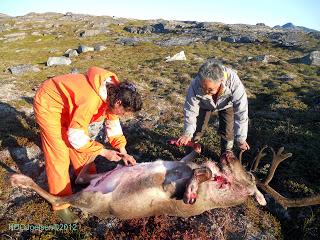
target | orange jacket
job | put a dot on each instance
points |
(81, 100)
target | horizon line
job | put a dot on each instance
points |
(146, 19)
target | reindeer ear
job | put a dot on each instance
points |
(224, 158)
(230, 157)
(260, 198)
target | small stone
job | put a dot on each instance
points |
(71, 53)
(177, 57)
(52, 61)
(83, 49)
(99, 47)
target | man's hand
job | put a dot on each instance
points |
(111, 155)
(183, 140)
(243, 145)
(128, 159)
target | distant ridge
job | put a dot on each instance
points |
(2, 15)
(291, 26)
(288, 26)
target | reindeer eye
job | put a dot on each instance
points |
(252, 176)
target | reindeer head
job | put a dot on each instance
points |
(242, 181)
(233, 176)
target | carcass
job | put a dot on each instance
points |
(176, 188)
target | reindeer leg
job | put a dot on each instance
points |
(20, 180)
(84, 175)
(200, 175)
(188, 158)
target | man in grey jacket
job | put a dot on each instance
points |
(216, 88)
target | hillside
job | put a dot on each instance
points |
(279, 68)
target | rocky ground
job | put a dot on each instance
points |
(279, 67)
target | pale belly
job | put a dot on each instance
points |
(110, 180)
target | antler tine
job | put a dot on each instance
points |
(283, 201)
(277, 159)
(257, 159)
(240, 156)
(288, 202)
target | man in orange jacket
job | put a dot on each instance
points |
(64, 107)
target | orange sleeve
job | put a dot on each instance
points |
(114, 131)
(78, 134)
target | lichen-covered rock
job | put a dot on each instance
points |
(312, 58)
(90, 33)
(52, 61)
(132, 41)
(83, 49)
(23, 68)
(99, 47)
(71, 53)
(178, 41)
(12, 37)
(264, 59)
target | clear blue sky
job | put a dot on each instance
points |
(271, 12)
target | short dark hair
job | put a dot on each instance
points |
(211, 69)
(125, 92)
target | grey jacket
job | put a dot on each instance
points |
(234, 95)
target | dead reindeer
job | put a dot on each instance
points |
(179, 188)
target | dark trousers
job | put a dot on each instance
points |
(226, 123)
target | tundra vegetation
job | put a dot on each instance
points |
(284, 101)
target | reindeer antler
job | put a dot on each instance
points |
(276, 160)
(240, 156)
(257, 159)
(264, 185)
